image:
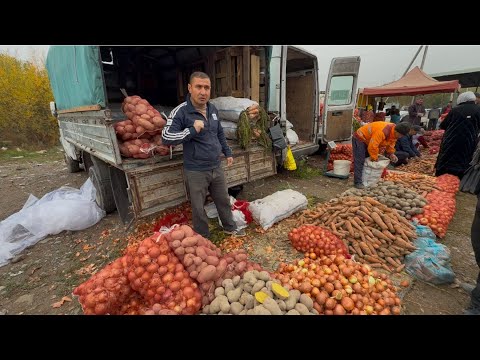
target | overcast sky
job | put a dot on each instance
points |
(380, 64)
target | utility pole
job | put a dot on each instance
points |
(424, 57)
(411, 62)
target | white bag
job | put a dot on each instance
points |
(372, 170)
(239, 219)
(229, 107)
(229, 129)
(292, 137)
(66, 208)
(276, 207)
(288, 124)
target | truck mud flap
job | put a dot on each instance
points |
(120, 194)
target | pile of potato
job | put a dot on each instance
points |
(204, 261)
(256, 293)
(407, 202)
(144, 123)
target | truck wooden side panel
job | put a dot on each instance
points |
(156, 187)
(92, 131)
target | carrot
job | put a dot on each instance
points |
(365, 248)
(388, 234)
(368, 232)
(400, 268)
(357, 248)
(372, 259)
(364, 215)
(349, 227)
(378, 220)
(379, 234)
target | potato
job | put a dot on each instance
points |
(190, 250)
(241, 257)
(302, 309)
(197, 260)
(281, 305)
(307, 301)
(200, 251)
(206, 309)
(159, 122)
(236, 280)
(212, 260)
(240, 267)
(179, 251)
(189, 241)
(147, 125)
(236, 308)
(219, 291)
(261, 310)
(207, 274)
(293, 312)
(133, 149)
(258, 286)
(222, 266)
(140, 109)
(272, 306)
(263, 275)
(234, 295)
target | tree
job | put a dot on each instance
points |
(25, 94)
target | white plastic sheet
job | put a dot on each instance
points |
(66, 208)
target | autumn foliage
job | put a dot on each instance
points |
(25, 93)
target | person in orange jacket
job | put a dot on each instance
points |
(367, 140)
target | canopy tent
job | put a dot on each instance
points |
(414, 82)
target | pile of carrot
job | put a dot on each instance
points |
(375, 233)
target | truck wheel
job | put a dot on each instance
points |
(72, 165)
(104, 194)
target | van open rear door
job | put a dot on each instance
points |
(340, 99)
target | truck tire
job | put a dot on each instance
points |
(104, 196)
(73, 166)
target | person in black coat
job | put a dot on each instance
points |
(462, 126)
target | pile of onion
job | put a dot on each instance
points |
(439, 211)
(317, 241)
(341, 286)
(160, 278)
(448, 183)
(106, 291)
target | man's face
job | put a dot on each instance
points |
(412, 132)
(398, 135)
(477, 101)
(199, 90)
(419, 101)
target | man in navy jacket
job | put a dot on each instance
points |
(404, 148)
(195, 124)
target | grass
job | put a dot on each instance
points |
(304, 171)
(14, 155)
(312, 201)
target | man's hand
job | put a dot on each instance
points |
(393, 158)
(198, 125)
(229, 161)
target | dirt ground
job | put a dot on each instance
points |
(41, 279)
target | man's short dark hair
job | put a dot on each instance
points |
(477, 95)
(200, 75)
(403, 128)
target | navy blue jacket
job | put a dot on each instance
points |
(405, 144)
(201, 151)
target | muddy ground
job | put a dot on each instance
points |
(41, 279)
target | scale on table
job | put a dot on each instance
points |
(330, 146)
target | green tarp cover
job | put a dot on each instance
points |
(75, 76)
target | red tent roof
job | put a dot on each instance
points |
(414, 82)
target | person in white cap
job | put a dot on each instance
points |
(462, 126)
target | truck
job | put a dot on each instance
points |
(89, 84)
